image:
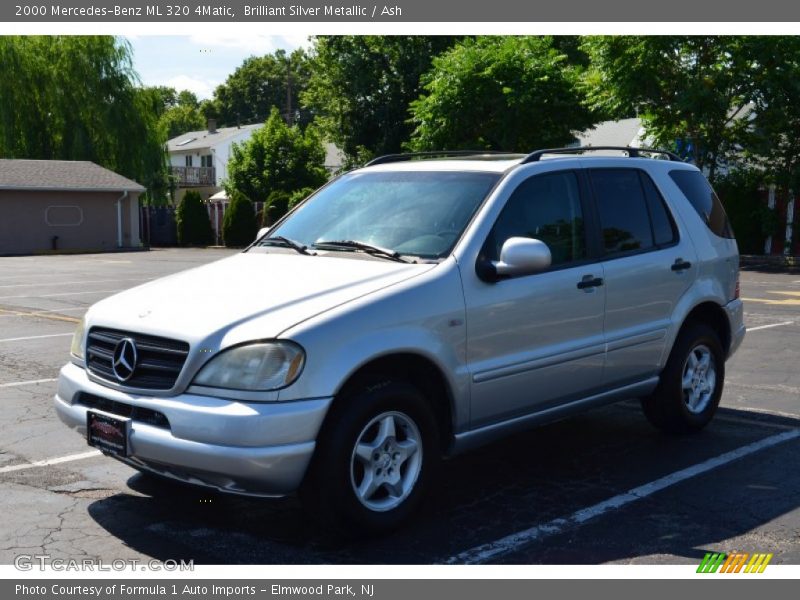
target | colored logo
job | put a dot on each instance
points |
(738, 562)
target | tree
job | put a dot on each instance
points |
(180, 119)
(689, 91)
(77, 98)
(276, 158)
(193, 224)
(499, 93)
(187, 98)
(774, 140)
(275, 207)
(361, 86)
(260, 83)
(239, 225)
(299, 195)
(167, 97)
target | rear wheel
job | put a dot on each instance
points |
(374, 459)
(691, 384)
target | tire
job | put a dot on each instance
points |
(691, 384)
(375, 457)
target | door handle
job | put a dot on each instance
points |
(681, 265)
(590, 281)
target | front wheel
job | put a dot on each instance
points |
(374, 458)
(691, 384)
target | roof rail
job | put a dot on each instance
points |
(390, 158)
(632, 152)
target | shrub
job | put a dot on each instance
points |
(276, 157)
(191, 219)
(239, 227)
(750, 218)
(276, 206)
(300, 195)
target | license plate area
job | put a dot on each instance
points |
(108, 434)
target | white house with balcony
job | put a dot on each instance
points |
(199, 159)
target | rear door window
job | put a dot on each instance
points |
(702, 197)
(664, 230)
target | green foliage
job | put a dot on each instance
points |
(239, 227)
(687, 88)
(193, 224)
(276, 158)
(177, 112)
(774, 141)
(187, 98)
(77, 98)
(500, 93)
(751, 219)
(180, 119)
(361, 86)
(276, 206)
(300, 195)
(259, 84)
(166, 97)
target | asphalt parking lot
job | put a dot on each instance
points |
(601, 488)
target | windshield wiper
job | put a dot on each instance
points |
(295, 245)
(364, 247)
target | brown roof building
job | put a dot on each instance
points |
(60, 205)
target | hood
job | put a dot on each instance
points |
(252, 295)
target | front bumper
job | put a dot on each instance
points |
(735, 312)
(240, 447)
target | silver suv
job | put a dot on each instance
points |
(413, 309)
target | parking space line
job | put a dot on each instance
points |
(516, 541)
(766, 411)
(766, 387)
(36, 337)
(788, 302)
(50, 461)
(22, 313)
(30, 382)
(38, 313)
(771, 325)
(750, 422)
(74, 282)
(59, 294)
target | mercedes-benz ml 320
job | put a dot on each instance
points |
(414, 309)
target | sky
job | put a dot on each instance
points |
(200, 63)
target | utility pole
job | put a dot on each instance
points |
(289, 114)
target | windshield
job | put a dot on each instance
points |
(412, 213)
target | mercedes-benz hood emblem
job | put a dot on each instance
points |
(125, 358)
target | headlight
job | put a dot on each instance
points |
(257, 367)
(78, 347)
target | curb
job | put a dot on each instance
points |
(777, 263)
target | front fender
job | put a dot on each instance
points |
(424, 316)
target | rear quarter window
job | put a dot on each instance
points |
(704, 200)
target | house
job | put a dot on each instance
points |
(62, 205)
(625, 132)
(199, 159)
(334, 158)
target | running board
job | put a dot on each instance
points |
(470, 440)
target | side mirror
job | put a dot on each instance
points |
(262, 232)
(522, 256)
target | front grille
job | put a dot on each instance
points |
(120, 409)
(159, 363)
